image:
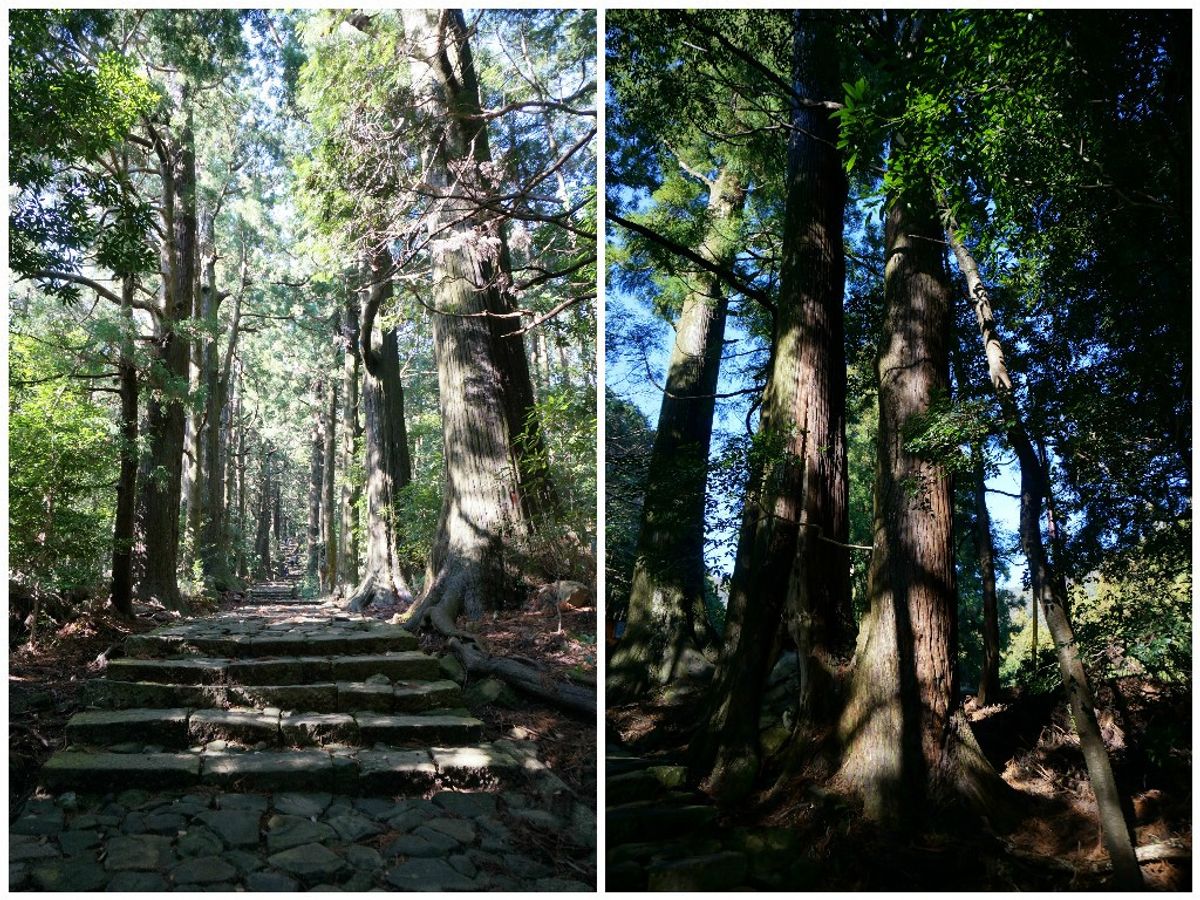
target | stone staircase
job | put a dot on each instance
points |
(283, 693)
(287, 746)
(662, 836)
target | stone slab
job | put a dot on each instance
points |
(319, 729)
(294, 770)
(297, 697)
(395, 771)
(402, 666)
(169, 671)
(95, 771)
(164, 727)
(245, 726)
(410, 731)
(112, 694)
(412, 697)
(360, 696)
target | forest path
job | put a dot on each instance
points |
(661, 836)
(285, 745)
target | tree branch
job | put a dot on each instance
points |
(724, 274)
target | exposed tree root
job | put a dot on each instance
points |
(455, 590)
(563, 694)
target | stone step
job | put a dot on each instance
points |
(386, 638)
(643, 784)
(407, 665)
(362, 772)
(649, 820)
(324, 697)
(180, 728)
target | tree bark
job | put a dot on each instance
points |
(907, 750)
(495, 481)
(161, 493)
(989, 677)
(279, 526)
(239, 535)
(316, 481)
(798, 491)
(347, 551)
(388, 467)
(328, 563)
(214, 542)
(125, 520)
(1049, 588)
(665, 629)
(262, 541)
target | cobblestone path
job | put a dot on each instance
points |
(286, 745)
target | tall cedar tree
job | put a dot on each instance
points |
(799, 493)
(492, 442)
(907, 750)
(388, 465)
(161, 493)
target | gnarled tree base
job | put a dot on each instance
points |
(375, 589)
(899, 790)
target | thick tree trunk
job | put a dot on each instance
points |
(495, 481)
(907, 750)
(262, 540)
(240, 534)
(662, 637)
(161, 493)
(347, 551)
(328, 564)
(316, 481)
(1049, 588)
(279, 526)
(989, 677)
(799, 493)
(388, 468)
(125, 520)
(214, 545)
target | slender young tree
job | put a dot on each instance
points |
(667, 623)
(262, 541)
(1049, 588)
(989, 677)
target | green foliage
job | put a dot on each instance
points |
(71, 103)
(1131, 617)
(942, 432)
(62, 462)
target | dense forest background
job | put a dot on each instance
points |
(201, 318)
(899, 318)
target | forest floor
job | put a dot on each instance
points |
(822, 843)
(45, 685)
